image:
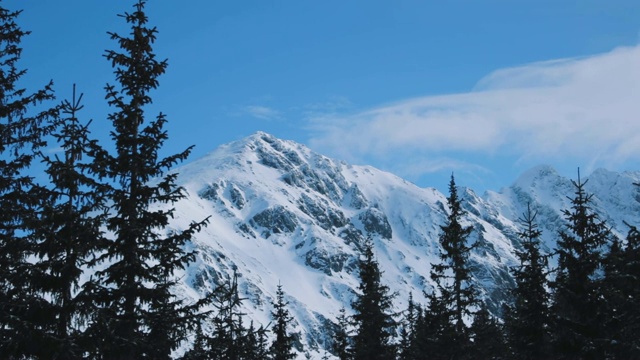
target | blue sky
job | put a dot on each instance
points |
(486, 89)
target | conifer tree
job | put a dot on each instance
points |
(229, 334)
(373, 319)
(621, 291)
(436, 335)
(256, 343)
(200, 348)
(24, 320)
(68, 232)
(282, 346)
(137, 315)
(487, 336)
(228, 339)
(406, 350)
(527, 322)
(576, 303)
(455, 294)
(341, 345)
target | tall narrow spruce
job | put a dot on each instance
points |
(138, 316)
(23, 317)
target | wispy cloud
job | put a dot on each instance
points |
(587, 109)
(263, 112)
(329, 106)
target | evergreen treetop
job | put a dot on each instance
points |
(453, 274)
(24, 319)
(341, 345)
(621, 294)
(373, 319)
(576, 300)
(282, 346)
(137, 315)
(68, 231)
(487, 336)
(527, 322)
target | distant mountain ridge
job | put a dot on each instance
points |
(281, 213)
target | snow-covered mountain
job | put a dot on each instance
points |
(281, 213)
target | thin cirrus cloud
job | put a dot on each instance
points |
(262, 112)
(586, 109)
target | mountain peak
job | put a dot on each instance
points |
(281, 213)
(535, 175)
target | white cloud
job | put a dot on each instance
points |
(262, 112)
(587, 109)
(54, 150)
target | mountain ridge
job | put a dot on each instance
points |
(281, 213)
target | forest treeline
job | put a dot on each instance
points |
(586, 307)
(88, 266)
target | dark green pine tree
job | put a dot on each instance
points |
(24, 319)
(69, 233)
(406, 350)
(229, 335)
(455, 294)
(200, 348)
(435, 333)
(255, 346)
(341, 346)
(527, 321)
(621, 291)
(137, 315)
(373, 319)
(229, 339)
(576, 302)
(487, 337)
(282, 346)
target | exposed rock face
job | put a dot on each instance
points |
(316, 213)
(275, 220)
(375, 221)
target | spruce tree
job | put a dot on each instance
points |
(436, 335)
(255, 346)
(373, 319)
(576, 301)
(68, 232)
(229, 335)
(200, 348)
(487, 336)
(621, 292)
(341, 346)
(282, 346)
(527, 321)
(455, 294)
(24, 319)
(406, 350)
(228, 339)
(137, 315)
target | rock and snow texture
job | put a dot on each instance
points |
(280, 213)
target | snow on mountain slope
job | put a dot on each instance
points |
(281, 213)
